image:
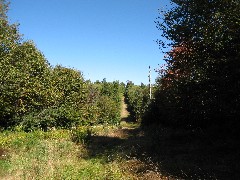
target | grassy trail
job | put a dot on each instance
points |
(126, 143)
(111, 153)
(124, 152)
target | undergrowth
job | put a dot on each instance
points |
(53, 155)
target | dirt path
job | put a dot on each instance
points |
(129, 143)
(165, 153)
(162, 153)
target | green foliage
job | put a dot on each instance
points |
(199, 86)
(24, 82)
(104, 103)
(76, 103)
(24, 77)
(111, 90)
(110, 102)
(137, 99)
(70, 97)
(69, 86)
(109, 110)
(35, 96)
(52, 155)
(81, 134)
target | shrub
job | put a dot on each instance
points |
(137, 99)
(109, 111)
(81, 134)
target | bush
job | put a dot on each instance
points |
(109, 111)
(104, 103)
(81, 134)
(137, 99)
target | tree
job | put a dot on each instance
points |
(137, 99)
(3, 9)
(200, 82)
(9, 40)
(34, 95)
(24, 75)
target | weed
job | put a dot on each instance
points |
(81, 134)
(53, 155)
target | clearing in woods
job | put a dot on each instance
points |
(129, 142)
(125, 152)
(167, 153)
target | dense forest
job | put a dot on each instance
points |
(197, 89)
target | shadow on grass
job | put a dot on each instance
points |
(177, 154)
(127, 119)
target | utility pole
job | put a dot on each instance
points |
(150, 86)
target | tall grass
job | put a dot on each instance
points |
(51, 155)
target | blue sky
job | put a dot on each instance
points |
(112, 39)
